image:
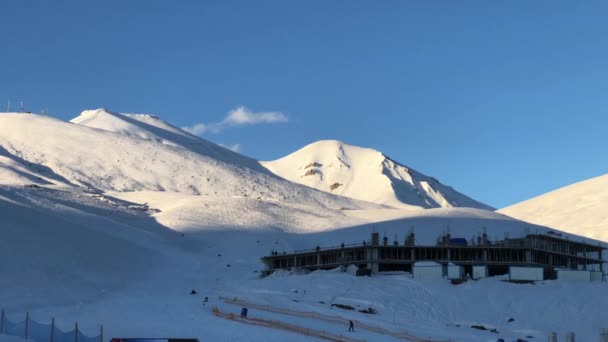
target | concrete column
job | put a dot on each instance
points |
(528, 254)
(373, 259)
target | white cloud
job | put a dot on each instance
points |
(233, 147)
(243, 116)
(239, 116)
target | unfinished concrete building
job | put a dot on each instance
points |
(550, 252)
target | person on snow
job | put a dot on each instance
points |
(351, 326)
(244, 313)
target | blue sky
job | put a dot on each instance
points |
(502, 100)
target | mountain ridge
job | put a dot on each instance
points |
(106, 151)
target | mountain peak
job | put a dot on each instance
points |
(329, 144)
(366, 174)
(143, 126)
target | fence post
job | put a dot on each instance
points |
(76, 332)
(52, 329)
(570, 337)
(27, 323)
(553, 337)
(604, 335)
(2, 322)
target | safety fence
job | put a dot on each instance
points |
(274, 324)
(30, 329)
(327, 318)
(571, 337)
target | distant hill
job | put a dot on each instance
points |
(580, 208)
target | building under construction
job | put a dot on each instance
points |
(546, 251)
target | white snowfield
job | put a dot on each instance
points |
(367, 175)
(580, 208)
(115, 223)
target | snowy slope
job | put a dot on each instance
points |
(64, 248)
(75, 256)
(580, 208)
(150, 127)
(366, 174)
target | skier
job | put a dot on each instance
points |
(244, 313)
(351, 326)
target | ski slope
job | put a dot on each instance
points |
(580, 208)
(367, 175)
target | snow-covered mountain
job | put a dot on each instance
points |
(580, 208)
(105, 151)
(367, 175)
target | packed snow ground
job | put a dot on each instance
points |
(112, 224)
(580, 208)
